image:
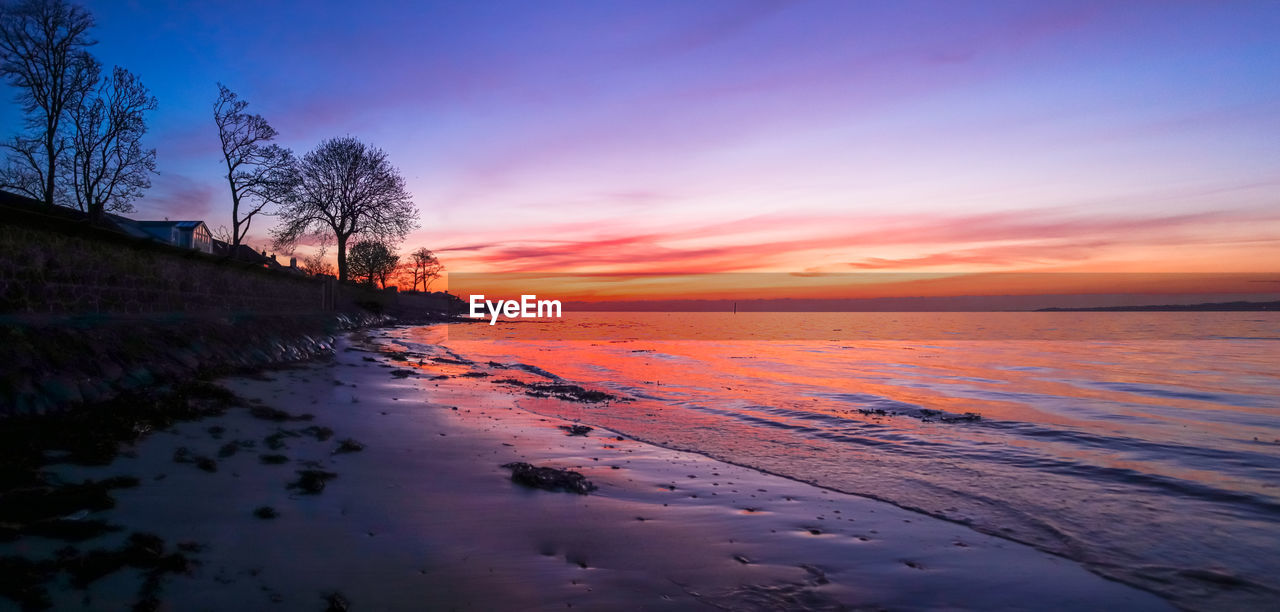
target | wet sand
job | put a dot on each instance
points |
(425, 517)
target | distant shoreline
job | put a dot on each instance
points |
(1205, 307)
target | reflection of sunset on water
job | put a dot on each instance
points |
(872, 291)
(1110, 443)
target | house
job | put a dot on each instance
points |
(245, 253)
(242, 252)
(185, 234)
(193, 235)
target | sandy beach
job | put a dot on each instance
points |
(626, 305)
(420, 514)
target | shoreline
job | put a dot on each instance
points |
(57, 363)
(423, 514)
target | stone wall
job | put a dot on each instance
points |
(55, 367)
(58, 267)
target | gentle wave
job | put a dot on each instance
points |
(1152, 461)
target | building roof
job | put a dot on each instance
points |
(242, 252)
(110, 221)
(70, 219)
(177, 224)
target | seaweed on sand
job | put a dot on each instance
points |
(266, 512)
(348, 446)
(26, 581)
(312, 482)
(33, 502)
(561, 391)
(550, 479)
(268, 413)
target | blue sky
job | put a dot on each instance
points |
(723, 136)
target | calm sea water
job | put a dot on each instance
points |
(1146, 445)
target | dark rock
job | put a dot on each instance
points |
(576, 430)
(273, 459)
(266, 512)
(312, 482)
(550, 479)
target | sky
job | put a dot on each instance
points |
(706, 137)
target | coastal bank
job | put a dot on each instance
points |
(88, 311)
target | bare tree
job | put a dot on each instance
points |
(109, 168)
(18, 175)
(222, 233)
(317, 264)
(43, 55)
(424, 267)
(258, 173)
(373, 262)
(345, 188)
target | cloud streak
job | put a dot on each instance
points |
(1016, 239)
(732, 136)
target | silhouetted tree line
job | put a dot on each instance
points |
(374, 263)
(80, 147)
(81, 142)
(343, 189)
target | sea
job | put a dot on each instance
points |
(1145, 445)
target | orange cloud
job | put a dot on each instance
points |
(1019, 240)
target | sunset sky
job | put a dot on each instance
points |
(753, 136)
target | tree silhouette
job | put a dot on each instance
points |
(108, 166)
(317, 264)
(258, 173)
(424, 267)
(372, 262)
(43, 54)
(346, 189)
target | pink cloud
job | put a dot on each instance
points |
(1039, 237)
